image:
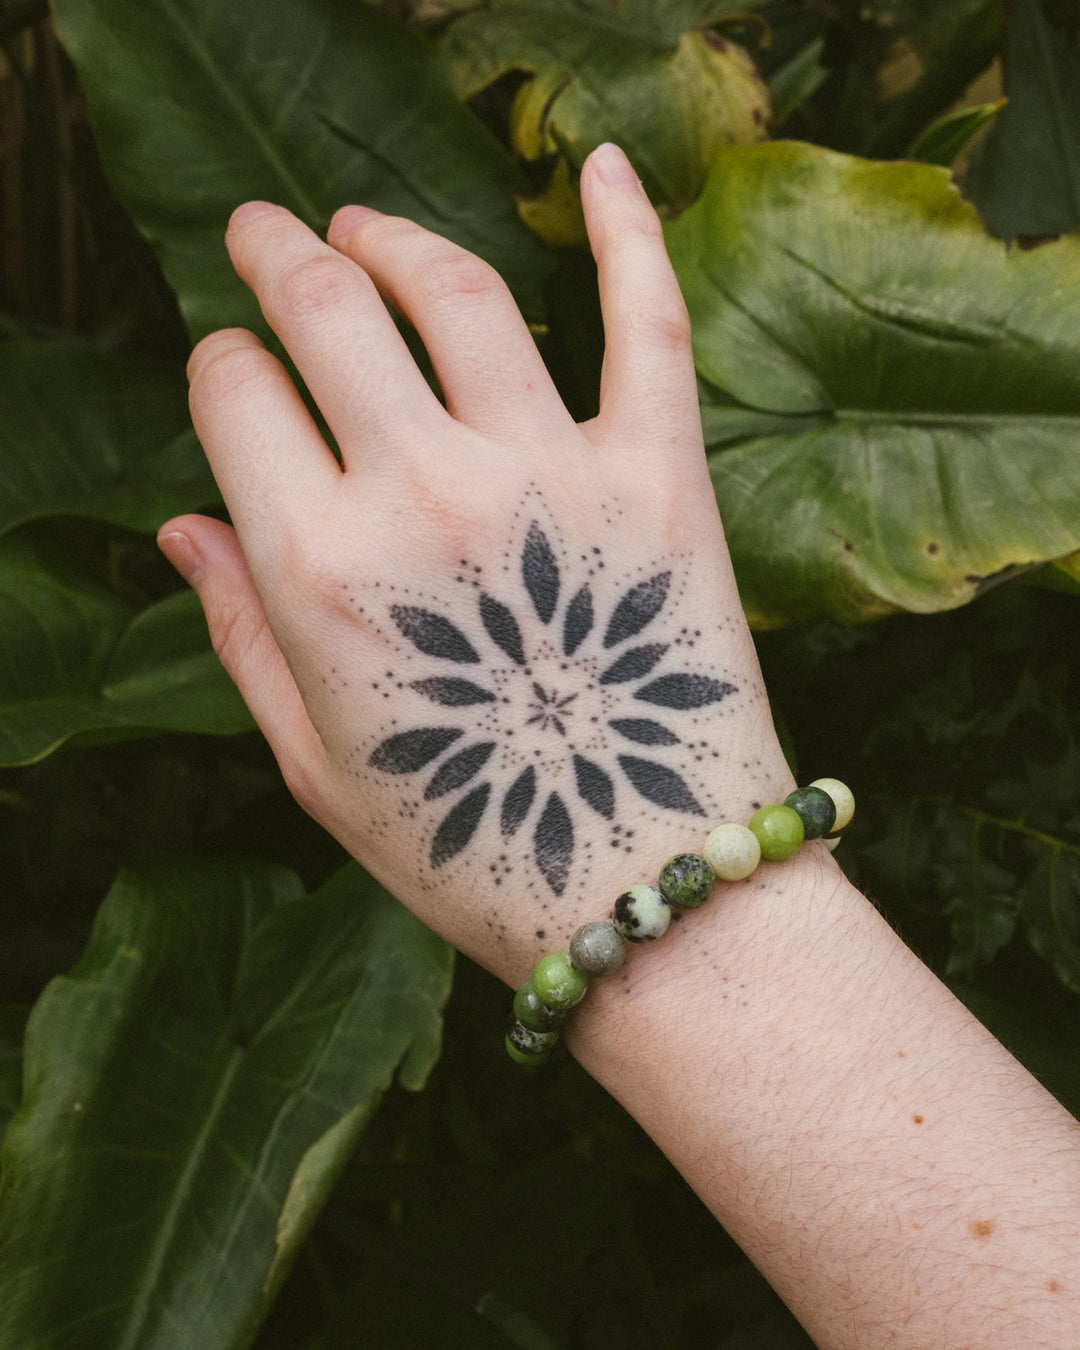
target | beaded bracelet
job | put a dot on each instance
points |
(642, 914)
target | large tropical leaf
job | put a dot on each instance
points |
(77, 657)
(639, 73)
(199, 105)
(191, 1091)
(93, 436)
(892, 398)
(1027, 179)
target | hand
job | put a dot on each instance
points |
(499, 655)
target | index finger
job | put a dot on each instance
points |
(648, 392)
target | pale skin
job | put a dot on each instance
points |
(899, 1178)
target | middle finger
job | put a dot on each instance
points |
(329, 316)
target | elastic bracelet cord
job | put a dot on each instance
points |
(559, 981)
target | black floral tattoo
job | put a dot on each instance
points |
(560, 697)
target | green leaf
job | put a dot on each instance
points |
(1027, 178)
(77, 658)
(192, 1088)
(90, 435)
(638, 73)
(198, 106)
(943, 141)
(892, 399)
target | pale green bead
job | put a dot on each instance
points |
(641, 914)
(779, 830)
(843, 799)
(732, 851)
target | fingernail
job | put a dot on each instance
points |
(348, 217)
(183, 555)
(243, 215)
(612, 166)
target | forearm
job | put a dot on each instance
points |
(894, 1173)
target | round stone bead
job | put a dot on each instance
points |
(597, 949)
(523, 1058)
(815, 808)
(530, 1012)
(779, 832)
(534, 1045)
(641, 914)
(557, 984)
(842, 799)
(686, 881)
(732, 851)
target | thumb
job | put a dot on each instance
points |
(208, 556)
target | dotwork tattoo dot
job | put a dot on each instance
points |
(561, 707)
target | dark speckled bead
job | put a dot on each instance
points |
(686, 881)
(815, 808)
(531, 1046)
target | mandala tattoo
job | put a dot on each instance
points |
(549, 692)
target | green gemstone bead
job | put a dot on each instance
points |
(597, 949)
(531, 1012)
(815, 808)
(558, 985)
(842, 797)
(779, 831)
(641, 914)
(686, 881)
(528, 1042)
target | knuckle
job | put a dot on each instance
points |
(661, 325)
(450, 276)
(314, 573)
(301, 780)
(312, 286)
(667, 327)
(235, 639)
(223, 371)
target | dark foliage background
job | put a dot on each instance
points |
(247, 1099)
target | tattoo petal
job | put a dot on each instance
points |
(502, 628)
(594, 786)
(684, 691)
(643, 731)
(459, 825)
(451, 691)
(458, 769)
(518, 800)
(408, 751)
(553, 843)
(578, 622)
(540, 572)
(432, 634)
(660, 785)
(633, 664)
(639, 606)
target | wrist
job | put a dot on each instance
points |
(728, 971)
